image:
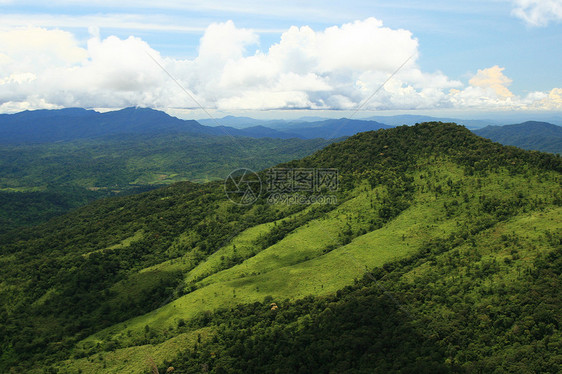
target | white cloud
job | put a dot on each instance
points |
(492, 78)
(336, 68)
(545, 101)
(538, 12)
(32, 48)
(487, 89)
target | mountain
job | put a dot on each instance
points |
(326, 128)
(531, 135)
(52, 161)
(435, 251)
(333, 128)
(306, 128)
(255, 132)
(244, 122)
(233, 121)
(42, 126)
(47, 126)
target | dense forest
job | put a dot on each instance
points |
(442, 253)
(40, 181)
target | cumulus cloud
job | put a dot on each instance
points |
(487, 89)
(27, 50)
(538, 12)
(335, 68)
(493, 79)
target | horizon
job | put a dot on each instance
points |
(494, 118)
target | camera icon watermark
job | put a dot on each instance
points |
(243, 186)
(283, 185)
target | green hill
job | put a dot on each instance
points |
(439, 252)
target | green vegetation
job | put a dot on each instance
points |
(54, 178)
(26, 207)
(442, 254)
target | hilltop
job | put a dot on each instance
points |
(440, 253)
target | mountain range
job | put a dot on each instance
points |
(43, 126)
(436, 251)
(390, 120)
(532, 135)
(58, 160)
(47, 126)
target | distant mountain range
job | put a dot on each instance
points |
(332, 128)
(531, 135)
(398, 120)
(47, 126)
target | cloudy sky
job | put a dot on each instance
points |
(249, 56)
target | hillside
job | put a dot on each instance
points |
(531, 135)
(440, 253)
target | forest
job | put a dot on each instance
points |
(41, 181)
(442, 254)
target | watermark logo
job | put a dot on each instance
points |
(243, 186)
(294, 180)
(283, 185)
(300, 199)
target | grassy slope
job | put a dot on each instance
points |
(139, 358)
(297, 265)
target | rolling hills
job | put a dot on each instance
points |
(530, 135)
(40, 181)
(53, 161)
(441, 252)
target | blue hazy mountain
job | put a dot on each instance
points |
(45, 126)
(332, 128)
(531, 135)
(306, 127)
(246, 122)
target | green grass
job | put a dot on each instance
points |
(243, 245)
(137, 236)
(136, 359)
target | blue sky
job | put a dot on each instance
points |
(475, 56)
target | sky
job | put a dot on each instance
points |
(287, 58)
